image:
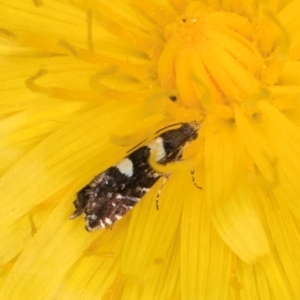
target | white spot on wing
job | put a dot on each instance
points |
(125, 167)
(108, 221)
(134, 199)
(158, 147)
(92, 217)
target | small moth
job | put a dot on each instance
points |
(114, 192)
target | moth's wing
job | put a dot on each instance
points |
(103, 186)
(111, 194)
(104, 212)
(114, 180)
(106, 209)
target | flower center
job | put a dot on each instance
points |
(210, 58)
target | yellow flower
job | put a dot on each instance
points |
(82, 82)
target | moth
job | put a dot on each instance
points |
(114, 192)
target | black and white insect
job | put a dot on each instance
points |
(114, 192)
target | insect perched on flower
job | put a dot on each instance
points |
(114, 192)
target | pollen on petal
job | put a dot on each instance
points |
(212, 39)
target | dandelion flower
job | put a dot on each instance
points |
(82, 82)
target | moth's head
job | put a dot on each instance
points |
(190, 129)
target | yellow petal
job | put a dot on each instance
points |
(205, 259)
(283, 233)
(273, 142)
(96, 270)
(229, 196)
(58, 128)
(58, 254)
(64, 156)
(142, 257)
(24, 130)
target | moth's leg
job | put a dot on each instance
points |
(193, 179)
(166, 177)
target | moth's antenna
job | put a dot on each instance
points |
(135, 146)
(169, 127)
(181, 123)
(130, 150)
